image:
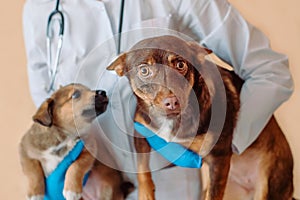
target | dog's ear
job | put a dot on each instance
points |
(200, 50)
(118, 65)
(44, 114)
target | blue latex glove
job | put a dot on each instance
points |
(173, 152)
(55, 181)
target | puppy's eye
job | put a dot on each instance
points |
(181, 65)
(76, 94)
(144, 70)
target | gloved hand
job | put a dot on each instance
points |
(54, 183)
(173, 152)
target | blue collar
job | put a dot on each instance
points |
(173, 152)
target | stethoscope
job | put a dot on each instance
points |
(53, 67)
(56, 14)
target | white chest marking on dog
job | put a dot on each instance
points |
(51, 160)
(165, 130)
(69, 195)
(36, 197)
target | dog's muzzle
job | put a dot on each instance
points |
(101, 102)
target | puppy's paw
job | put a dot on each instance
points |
(69, 195)
(36, 197)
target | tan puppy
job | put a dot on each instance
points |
(169, 77)
(58, 124)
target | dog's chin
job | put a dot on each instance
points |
(157, 111)
(172, 115)
(89, 114)
(93, 113)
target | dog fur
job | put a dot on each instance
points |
(164, 73)
(58, 124)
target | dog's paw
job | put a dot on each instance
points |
(69, 195)
(36, 197)
(146, 197)
(146, 193)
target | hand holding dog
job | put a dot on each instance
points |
(55, 181)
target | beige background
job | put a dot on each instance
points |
(279, 19)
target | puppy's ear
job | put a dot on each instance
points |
(200, 50)
(118, 65)
(44, 114)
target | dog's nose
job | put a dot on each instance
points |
(101, 92)
(171, 103)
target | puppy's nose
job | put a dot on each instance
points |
(101, 92)
(171, 103)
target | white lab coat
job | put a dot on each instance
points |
(89, 28)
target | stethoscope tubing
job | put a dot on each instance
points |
(53, 67)
(53, 72)
(120, 27)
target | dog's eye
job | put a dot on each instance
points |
(76, 94)
(181, 65)
(144, 70)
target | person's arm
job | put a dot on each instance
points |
(268, 82)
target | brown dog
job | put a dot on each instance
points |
(59, 123)
(169, 76)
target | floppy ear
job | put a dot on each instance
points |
(118, 65)
(44, 115)
(201, 51)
